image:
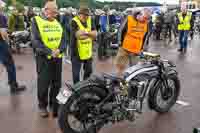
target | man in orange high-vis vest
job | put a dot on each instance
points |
(131, 39)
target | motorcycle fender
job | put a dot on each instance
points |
(172, 71)
(64, 97)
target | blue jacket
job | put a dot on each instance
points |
(118, 19)
(3, 21)
(103, 23)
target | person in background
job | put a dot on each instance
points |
(158, 25)
(66, 19)
(168, 21)
(104, 31)
(185, 23)
(30, 15)
(3, 19)
(16, 20)
(150, 30)
(83, 32)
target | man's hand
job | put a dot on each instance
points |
(92, 34)
(4, 35)
(81, 33)
(55, 53)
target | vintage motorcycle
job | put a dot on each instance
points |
(93, 103)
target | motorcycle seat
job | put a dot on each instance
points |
(112, 77)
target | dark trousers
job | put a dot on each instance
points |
(147, 36)
(169, 29)
(48, 81)
(7, 60)
(81, 70)
(103, 42)
(158, 31)
(183, 39)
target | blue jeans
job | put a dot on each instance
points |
(183, 38)
(7, 60)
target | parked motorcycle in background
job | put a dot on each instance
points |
(20, 40)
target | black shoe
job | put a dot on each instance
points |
(55, 114)
(43, 113)
(185, 50)
(15, 88)
(180, 50)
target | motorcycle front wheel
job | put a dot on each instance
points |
(78, 114)
(158, 101)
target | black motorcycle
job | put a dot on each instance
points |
(19, 40)
(91, 104)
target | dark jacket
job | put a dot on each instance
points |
(37, 43)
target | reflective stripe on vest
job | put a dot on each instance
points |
(84, 46)
(51, 33)
(133, 40)
(184, 22)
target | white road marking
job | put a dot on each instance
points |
(182, 103)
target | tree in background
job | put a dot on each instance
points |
(61, 3)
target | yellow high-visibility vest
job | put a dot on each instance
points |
(184, 22)
(84, 46)
(51, 33)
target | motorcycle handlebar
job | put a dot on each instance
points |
(153, 58)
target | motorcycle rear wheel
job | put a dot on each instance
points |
(83, 102)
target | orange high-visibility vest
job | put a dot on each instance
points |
(133, 40)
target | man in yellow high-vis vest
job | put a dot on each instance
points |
(83, 32)
(184, 27)
(49, 43)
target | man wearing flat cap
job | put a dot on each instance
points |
(83, 32)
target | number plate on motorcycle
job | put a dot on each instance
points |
(63, 96)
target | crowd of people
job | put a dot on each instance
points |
(54, 35)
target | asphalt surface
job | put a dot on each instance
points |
(18, 113)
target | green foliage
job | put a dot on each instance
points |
(76, 3)
(61, 3)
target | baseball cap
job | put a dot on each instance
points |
(84, 11)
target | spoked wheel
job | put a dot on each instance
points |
(163, 98)
(79, 115)
(80, 119)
